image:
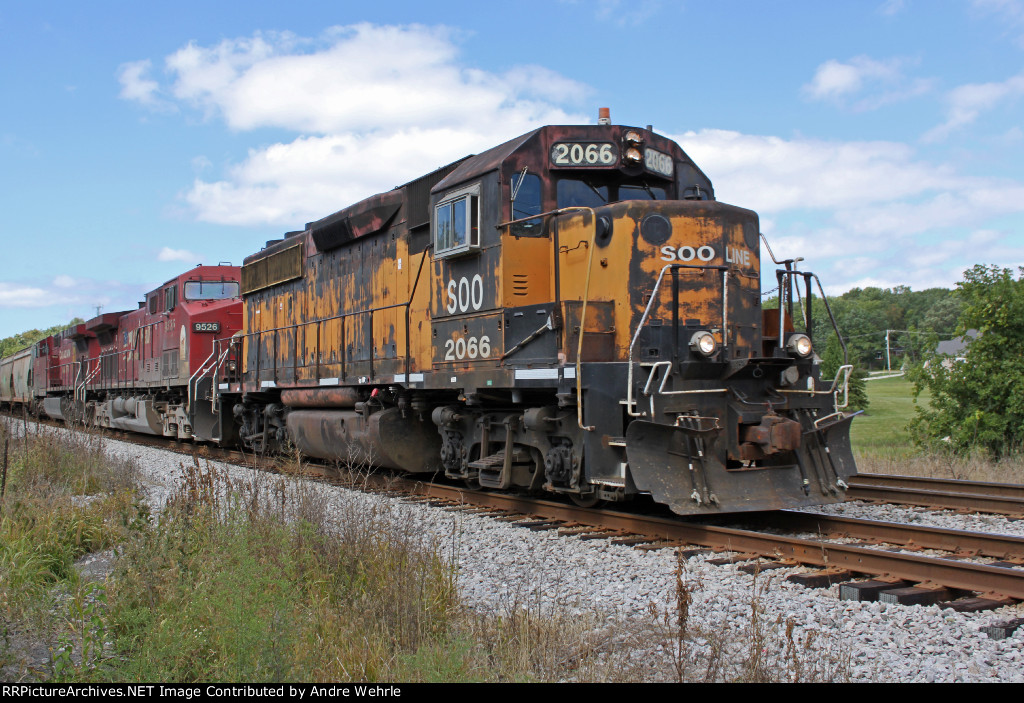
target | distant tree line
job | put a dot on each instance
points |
(917, 320)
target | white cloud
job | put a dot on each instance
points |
(865, 212)
(372, 107)
(376, 106)
(967, 102)
(64, 281)
(833, 79)
(892, 7)
(14, 295)
(631, 14)
(358, 78)
(772, 174)
(877, 82)
(168, 254)
(136, 85)
(1010, 14)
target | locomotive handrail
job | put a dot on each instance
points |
(667, 365)
(86, 378)
(643, 319)
(202, 371)
(845, 371)
(57, 367)
(549, 213)
(785, 298)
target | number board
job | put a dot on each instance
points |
(584, 154)
(467, 340)
(658, 162)
(206, 327)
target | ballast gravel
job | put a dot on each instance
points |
(501, 566)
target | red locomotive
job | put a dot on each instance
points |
(156, 369)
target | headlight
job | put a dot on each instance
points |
(703, 343)
(632, 138)
(799, 344)
(633, 156)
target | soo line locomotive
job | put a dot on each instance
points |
(571, 311)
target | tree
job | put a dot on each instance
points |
(979, 401)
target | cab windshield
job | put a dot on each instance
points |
(211, 290)
(593, 192)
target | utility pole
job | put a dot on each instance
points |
(888, 359)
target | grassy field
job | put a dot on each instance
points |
(883, 428)
(882, 443)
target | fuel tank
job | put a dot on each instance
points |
(385, 438)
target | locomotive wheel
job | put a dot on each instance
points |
(585, 500)
(472, 484)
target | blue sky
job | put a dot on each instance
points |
(881, 140)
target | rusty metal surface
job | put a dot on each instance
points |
(384, 438)
(494, 319)
(320, 397)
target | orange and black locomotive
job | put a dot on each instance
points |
(571, 311)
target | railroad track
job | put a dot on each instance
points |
(975, 496)
(898, 575)
(906, 577)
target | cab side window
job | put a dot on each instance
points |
(457, 223)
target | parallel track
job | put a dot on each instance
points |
(975, 496)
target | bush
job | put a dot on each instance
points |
(979, 402)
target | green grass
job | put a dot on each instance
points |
(883, 428)
(882, 443)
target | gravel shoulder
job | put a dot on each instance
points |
(502, 567)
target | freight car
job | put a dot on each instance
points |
(16, 380)
(571, 311)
